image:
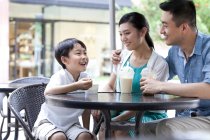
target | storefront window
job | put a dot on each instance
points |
(35, 29)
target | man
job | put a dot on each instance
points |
(189, 59)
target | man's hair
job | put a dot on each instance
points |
(182, 11)
(64, 47)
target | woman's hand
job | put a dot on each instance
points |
(116, 58)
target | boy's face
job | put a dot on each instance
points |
(77, 59)
(172, 34)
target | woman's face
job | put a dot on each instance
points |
(130, 36)
(77, 59)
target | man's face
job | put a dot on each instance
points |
(170, 32)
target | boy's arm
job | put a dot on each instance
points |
(82, 84)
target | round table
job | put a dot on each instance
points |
(106, 101)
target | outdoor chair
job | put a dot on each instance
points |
(30, 80)
(29, 99)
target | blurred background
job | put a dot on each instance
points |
(30, 29)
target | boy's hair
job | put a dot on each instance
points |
(64, 47)
(182, 11)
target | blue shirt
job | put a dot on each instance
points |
(197, 68)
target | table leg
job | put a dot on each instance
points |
(107, 120)
(139, 116)
(8, 121)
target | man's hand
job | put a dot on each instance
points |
(85, 83)
(116, 56)
(150, 86)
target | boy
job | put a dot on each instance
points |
(57, 123)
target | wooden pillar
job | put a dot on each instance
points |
(4, 40)
(112, 24)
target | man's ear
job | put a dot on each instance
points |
(185, 27)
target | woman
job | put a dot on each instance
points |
(134, 34)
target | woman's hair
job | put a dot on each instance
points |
(138, 21)
(182, 11)
(64, 47)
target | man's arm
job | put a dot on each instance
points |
(200, 90)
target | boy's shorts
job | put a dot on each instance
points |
(46, 129)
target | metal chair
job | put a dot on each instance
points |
(2, 95)
(29, 99)
(32, 80)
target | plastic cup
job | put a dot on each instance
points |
(126, 79)
(93, 89)
(148, 73)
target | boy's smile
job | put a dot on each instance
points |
(77, 59)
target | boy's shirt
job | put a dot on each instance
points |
(61, 117)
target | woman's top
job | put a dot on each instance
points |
(156, 63)
(136, 77)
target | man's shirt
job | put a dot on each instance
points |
(196, 68)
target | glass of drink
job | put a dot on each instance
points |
(126, 79)
(148, 73)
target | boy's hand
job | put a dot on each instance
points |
(116, 56)
(85, 83)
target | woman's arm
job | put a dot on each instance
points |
(126, 115)
(110, 86)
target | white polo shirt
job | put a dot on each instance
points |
(61, 117)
